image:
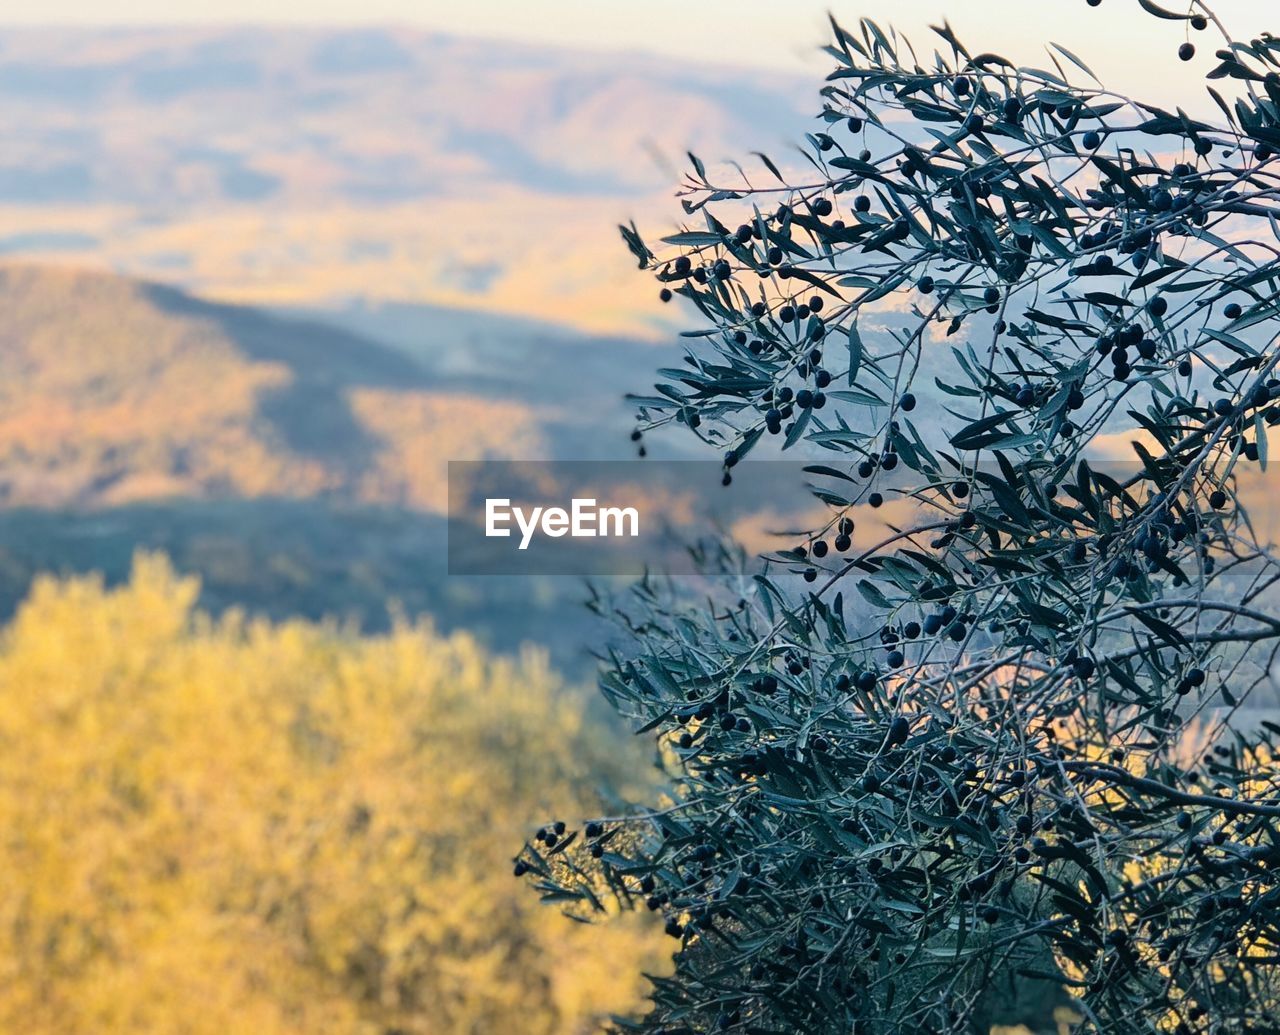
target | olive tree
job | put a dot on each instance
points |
(1009, 754)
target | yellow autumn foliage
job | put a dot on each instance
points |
(233, 826)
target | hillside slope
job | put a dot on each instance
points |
(114, 391)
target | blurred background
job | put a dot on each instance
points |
(264, 269)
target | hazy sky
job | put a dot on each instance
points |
(1129, 50)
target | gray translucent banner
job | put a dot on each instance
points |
(623, 518)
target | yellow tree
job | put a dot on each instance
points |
(238, 826)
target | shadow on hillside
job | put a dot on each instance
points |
(577, 381)
(312, 413)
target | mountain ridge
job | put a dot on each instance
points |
(302, 166)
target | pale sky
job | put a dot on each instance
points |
(1130, 50)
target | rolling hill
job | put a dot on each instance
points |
(114, 391)
(117, 391)
(297, 466)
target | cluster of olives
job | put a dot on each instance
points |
(789, 313)
(766, 684)
(553, 836)
(1192, 679)
(781, 402)
(720, 708)
(843, 539)
(550, 835)
(865, 681)
(1158, 210)
(1116, 346)
(948, 622)
(782, 405)
(1082, 666)
(1258, 399)
(819, 548)
(1157, 536)
(594, 832)
(682, 268)
(637, 437)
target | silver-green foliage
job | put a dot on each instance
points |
(1035, 763)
